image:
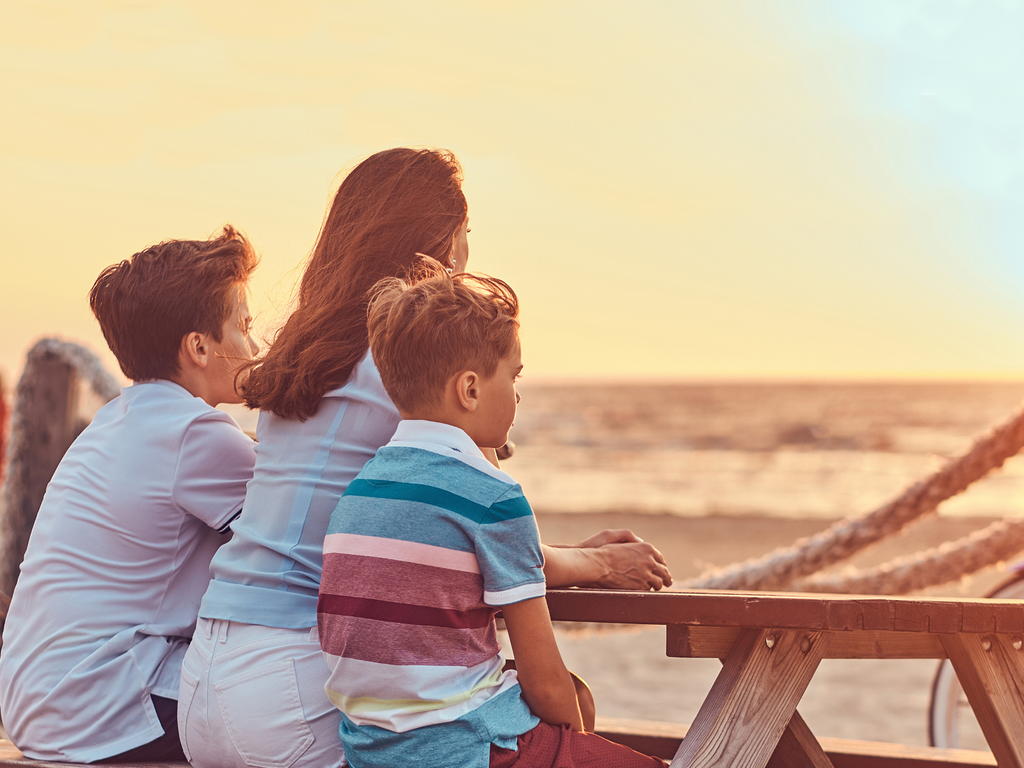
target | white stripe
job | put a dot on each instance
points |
(516, 594)
(403, 551)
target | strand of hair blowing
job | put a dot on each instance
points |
(393, 205)
(780, 568)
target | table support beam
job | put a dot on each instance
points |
(798, 748)
(753, 699)
(991, 671)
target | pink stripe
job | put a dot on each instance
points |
(382, 642)
(410, 583)
(396, 549)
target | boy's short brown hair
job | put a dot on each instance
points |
(424, 331)
(147, 304)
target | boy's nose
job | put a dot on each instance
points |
(518, 398)
(254, 347)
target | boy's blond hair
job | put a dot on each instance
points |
(426, 330)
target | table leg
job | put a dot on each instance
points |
(991, 671)
(798, 748)
(753, 699)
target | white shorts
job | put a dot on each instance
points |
(254, 696)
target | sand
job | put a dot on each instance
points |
(874, 700)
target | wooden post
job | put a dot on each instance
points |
(757, 691)
(991, 670)
(3, 430)
(43, 427)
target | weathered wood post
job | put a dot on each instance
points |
(4, 600)
(45, 421)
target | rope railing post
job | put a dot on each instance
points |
(44, 423)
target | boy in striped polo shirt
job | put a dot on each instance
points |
(430, 541)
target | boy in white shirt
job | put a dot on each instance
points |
(119, 556)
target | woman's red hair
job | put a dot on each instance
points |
(391, 206)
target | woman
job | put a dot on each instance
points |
(252, 680)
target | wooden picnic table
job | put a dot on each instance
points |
(771, 644)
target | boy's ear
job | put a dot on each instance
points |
(467, 390)
(194, 349)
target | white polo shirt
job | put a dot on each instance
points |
(115, 570)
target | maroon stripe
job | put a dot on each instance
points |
(404, 644)
(398, 581)
(403, 613)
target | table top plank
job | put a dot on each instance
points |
(699, 642)
(783, 610)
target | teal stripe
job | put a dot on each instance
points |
(424, 494)
(510, 509)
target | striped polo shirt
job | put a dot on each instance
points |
(426, 544)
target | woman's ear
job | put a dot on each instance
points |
(467, 389)
(194, 349)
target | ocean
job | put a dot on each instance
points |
(800, 450)
(803, 450)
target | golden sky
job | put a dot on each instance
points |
(709, 189)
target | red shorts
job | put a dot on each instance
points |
(552, 746)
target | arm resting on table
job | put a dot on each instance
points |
(609, 559)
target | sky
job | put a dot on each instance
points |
(715, 189)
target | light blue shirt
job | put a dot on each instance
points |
(269, 573)
(118, 559)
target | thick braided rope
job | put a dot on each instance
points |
(941, 565)
(83, 361)
(89, 369)
(779, 569)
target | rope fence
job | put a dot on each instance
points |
(782, 568)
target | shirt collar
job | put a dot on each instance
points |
(130, 392)
(420, 431)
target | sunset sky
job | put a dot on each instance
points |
(703, 189)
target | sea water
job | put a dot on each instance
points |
(785, 449)
(799, 450)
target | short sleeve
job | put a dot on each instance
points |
(214, 466)
(508, 551)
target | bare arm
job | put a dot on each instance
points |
(609, 559)
(548, 688)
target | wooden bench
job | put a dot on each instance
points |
(10, 756)
(771, 645)
(663, 739)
